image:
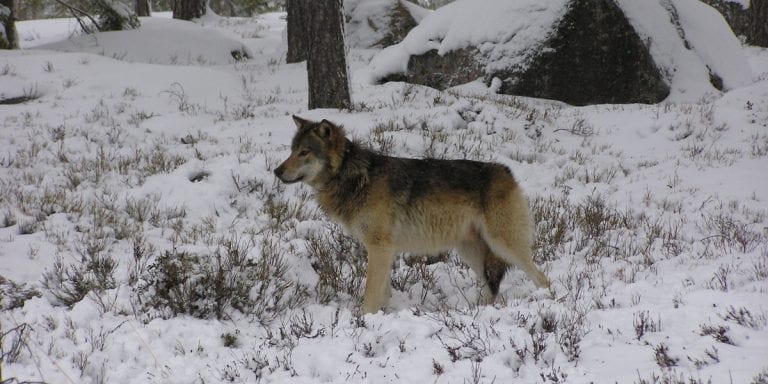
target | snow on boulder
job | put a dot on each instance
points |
(380, 23)
(735, 12)
(159, 41)
(692, 44)
(577, 51)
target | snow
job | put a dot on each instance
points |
(38, 32)
(509, 33)
(712, 39)
(189, 44)
(503, 30)
(688, 176)
(368, 21)
(712, 45)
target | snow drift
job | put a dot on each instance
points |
(159, 41)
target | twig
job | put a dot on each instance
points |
(75, 11)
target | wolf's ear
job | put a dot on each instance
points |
(325, 129)
(299, 121)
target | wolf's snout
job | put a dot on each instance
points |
(279, 172)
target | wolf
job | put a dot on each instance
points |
(422, 206)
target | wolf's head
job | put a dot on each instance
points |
(317, 151)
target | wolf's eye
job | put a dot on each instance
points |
(303, 152)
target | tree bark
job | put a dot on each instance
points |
(9, 39)
(326, 56)
(298, 34)
(188, 9)
(142, 8)
(758, 23)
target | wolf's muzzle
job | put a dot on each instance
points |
(279, 172)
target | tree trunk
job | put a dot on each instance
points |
(326, 56)
(142, 8)
(8, 37)
(298, 36)
(758, 28)
(188, 9)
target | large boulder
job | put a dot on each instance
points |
(594, 56)
(577, 51)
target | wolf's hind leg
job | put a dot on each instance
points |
(495, 269)
(476, 254)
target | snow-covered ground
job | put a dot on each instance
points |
(651, 223)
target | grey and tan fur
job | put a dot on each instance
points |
(421, 206)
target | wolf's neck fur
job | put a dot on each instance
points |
(347, 187)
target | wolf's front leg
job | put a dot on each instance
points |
(377, 285)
